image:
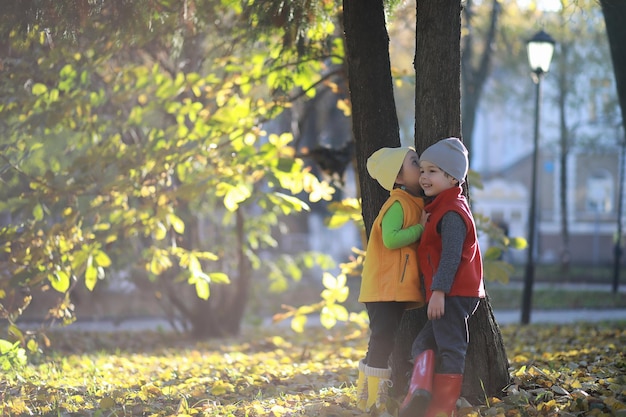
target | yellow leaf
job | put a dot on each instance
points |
(176, 222)
(236, 195)
(344, 106)
(329, 281)
(221, 388)
(91, 275)
(151, 390)
(160, 232)
(39, 89)
(298, 323)
(102, 259)
(194, 264)
(202, 289)
(219, 278)
(249, 139)
(280, 141)
(576, 384)
(60, 281)
(279, 410)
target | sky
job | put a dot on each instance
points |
(545, 5)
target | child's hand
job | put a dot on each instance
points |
(436, 305)
(424, 218)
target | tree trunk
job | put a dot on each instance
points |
(437, 71)
(374, 118)
(437, 116)
(563, 81)
(614, 17)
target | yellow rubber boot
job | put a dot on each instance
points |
(361, 388)
(378, 383)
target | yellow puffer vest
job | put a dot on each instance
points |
(392, 274)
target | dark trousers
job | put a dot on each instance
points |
(385, 319)
(448, 336)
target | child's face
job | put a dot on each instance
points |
(410, 173)
(434, 180)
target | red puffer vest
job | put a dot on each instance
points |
(468, 281)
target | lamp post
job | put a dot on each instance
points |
(540, 49)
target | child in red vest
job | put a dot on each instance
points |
(390, 281)
(451, 265)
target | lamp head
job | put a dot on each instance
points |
(540, 49)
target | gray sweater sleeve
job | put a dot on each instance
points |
(453, 231)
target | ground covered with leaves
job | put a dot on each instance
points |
(556, 370)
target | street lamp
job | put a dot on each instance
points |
(540, 49)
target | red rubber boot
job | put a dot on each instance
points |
(420, 387)
(446, 391)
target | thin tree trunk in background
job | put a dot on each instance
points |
(374, 118)
(437, 116)
(564, 148)
(474, 78)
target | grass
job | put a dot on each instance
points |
(554, 289)
(587, 274)
(555, 299)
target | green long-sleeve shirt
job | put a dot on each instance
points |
(394, 236)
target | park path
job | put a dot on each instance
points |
(503, 317)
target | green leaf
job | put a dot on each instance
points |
(39, 89)
(177, 224)
(60, 281)
(91, 275)
(38, 212)
(518, 243)
(493, 252)
(498, 271)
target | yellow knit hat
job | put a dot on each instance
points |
(384, 165)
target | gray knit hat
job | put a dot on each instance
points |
(450, 155)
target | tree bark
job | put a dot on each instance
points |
(614, 17)
(437, 116)
(374, 118)
(437, 71)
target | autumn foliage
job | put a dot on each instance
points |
(556, 370)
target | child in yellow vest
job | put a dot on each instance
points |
(390, 282)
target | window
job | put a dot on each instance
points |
(600, 192)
